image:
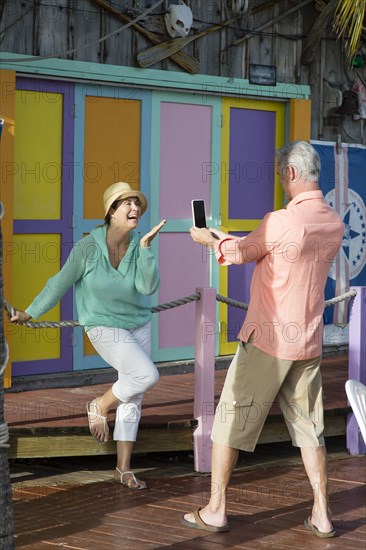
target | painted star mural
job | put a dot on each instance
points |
(354, 239)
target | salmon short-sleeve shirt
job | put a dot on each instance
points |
(293, 249)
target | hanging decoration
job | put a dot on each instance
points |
(178, 19)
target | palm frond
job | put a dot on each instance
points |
(348, 20)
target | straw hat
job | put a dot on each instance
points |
(119, 191)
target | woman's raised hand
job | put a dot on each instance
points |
(146, 239)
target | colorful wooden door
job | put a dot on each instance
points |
(43, 180)
(252, 131)
(112, 143)
(185, 166)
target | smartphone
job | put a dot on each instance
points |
(199, 213)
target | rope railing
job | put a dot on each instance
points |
(40, 324)
(327, 303)
(60, 324)
(231, 302)
(176, 303)
(4, 435)
(163, 307)
(340, 298)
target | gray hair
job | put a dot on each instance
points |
(302, 156)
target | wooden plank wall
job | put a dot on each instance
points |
(42, 28)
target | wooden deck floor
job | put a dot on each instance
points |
(52, 422)
(73, 503)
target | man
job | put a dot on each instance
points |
(280, 347)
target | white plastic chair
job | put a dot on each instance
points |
(356, 393)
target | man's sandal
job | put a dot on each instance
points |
(94, 417)
(139, 485)
(198, 523)
(321, 534)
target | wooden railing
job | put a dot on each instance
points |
(204, 397)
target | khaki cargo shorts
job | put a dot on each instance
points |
(257, 382)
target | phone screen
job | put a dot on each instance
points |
(199, 214)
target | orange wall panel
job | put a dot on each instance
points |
(300, 119)
(111, 150)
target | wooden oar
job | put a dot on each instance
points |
(183, 59)
(172, 47)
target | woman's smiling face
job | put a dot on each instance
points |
(127, 212)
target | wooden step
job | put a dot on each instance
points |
(52, 422)
(52, 442)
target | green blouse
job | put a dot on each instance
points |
(105, 296)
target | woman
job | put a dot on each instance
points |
(112, 270)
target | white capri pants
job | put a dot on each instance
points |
(128, 351)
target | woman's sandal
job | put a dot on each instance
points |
(139, 485)
(97, 417)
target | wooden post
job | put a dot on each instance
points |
(204, 377)
(357, 363)
(8, 169)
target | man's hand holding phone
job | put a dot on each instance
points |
(199, 222)
(203, 236)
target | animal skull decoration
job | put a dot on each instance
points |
(178, 19)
